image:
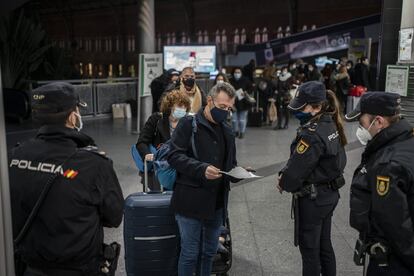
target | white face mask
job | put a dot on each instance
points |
(363, 134)
(179, 113)
(220, 81)
(237, 76)
(78, 128)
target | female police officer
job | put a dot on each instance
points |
(313, 175)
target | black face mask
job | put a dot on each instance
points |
(189, 82)
(219, 115)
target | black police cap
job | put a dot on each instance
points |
(55, 97)
(376, 103)
(308, 93)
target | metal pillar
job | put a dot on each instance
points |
(6, 234)
(293, 16)
(146, 44)
(388, 40)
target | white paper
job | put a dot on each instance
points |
(239, 94)
(406, 40)
(397, 79)
(240, 173)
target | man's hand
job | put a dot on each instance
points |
(212, 173)
(278, 184)
(149, 157)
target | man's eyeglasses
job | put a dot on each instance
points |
(222, 107)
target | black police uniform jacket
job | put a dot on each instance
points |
(194, 196)
(382, 191)
(317, 157)
(84, 197)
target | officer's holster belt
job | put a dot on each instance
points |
(55, 271)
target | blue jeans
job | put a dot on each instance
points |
(239, 121)
(199, 241)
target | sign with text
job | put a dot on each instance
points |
(150, 67)
(397, 79)
(406, 43)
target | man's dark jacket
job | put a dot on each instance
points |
(84, 198)
(194, 196)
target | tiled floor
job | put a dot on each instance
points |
(260, 217)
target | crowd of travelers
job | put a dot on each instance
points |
(64, 190)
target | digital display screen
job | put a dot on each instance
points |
(201, 57)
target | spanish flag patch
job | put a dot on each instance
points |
(383, 185)
(302, 147)
(70, 174)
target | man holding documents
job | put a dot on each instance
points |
(201, 192)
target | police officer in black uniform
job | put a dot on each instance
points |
(314, 173)
(66, 235)
(382, 190)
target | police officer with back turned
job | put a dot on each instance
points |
(382, 189)
(313, 175)
(64, 191)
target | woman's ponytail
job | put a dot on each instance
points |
(331, 106)
(337, 116)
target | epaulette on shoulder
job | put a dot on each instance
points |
(95, 150)
(18, 144)
(312, 126)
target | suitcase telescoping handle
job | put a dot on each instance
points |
(145, 175)
(146, 179)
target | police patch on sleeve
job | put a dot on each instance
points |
(383, 185)
(302, 147)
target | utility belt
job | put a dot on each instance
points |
(53, 271)
(105, 265)
(374, 250)
(312, 189)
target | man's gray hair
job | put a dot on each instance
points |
(222, 87)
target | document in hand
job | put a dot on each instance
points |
(240, 173)
(240, 94)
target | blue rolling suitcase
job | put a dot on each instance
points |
(151, 234)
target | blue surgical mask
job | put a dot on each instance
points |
(303, 117)
(219, 115)
(179, 113)
(237, 76)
